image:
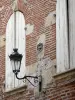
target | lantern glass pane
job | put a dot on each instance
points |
(12, 65)
(17, 66)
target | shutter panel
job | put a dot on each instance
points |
(62, 37)
(11, 81)
(9, 47)
(72, 32)
(20, 34)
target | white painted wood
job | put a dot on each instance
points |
(9, 46)
(61, 37)
(11, 81)
(21, 42)
(72, 32)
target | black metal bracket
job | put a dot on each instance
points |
(35, 77)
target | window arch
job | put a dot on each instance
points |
(15, 34)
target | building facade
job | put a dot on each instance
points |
(51, 23)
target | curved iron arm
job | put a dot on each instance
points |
(25, 77)
(35, 77)
(30, 82)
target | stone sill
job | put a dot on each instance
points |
(70, 72)
(16, 90)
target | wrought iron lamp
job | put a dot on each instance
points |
(16, 59)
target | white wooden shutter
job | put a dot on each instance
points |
(9, 47)
(72, 32)
(20, 34)
(11, 81)
(62, 37)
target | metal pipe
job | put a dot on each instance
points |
(67, 7)
(14, 29)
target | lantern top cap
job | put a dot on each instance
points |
(15, 56)
(15, 49)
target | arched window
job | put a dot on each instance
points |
(15, 36)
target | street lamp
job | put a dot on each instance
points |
(16, 59)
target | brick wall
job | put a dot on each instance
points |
(5, 12)
(35, 12)
(61, 89)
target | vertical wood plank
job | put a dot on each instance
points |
(62, 53)
(72, 32)
(9, 47)
(21, 39)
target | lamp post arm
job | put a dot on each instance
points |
(25, 77)
(32, 77)
(35, 77)
(30, 82)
